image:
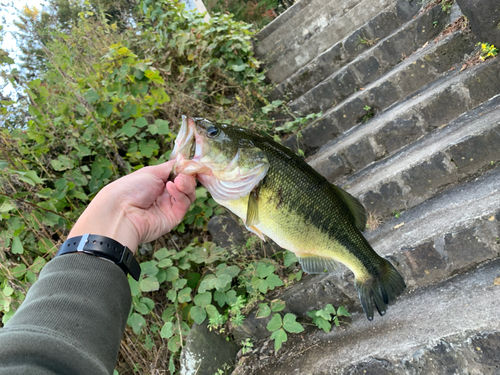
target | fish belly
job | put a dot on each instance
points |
(291, 231)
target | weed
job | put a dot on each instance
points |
(324, 318)
(246, 346)
(446, 5)
(369, 42)
(396, 214)
(487, 50)
(373, 221)
(370, 113)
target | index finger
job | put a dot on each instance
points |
(162, 171)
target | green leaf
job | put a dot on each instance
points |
(231, 271)
(259, 284)
(220, 297)
(167, 330)
(211, 311)
(179, 283)
(164, 263)
(91, 96)
(342, 311)
(184, 295)
(162, 126)
(290, 325)
(172, 273)
(163, 253)
(105, 110)
(17, 246)
(149, 284)
(198, 314)
(149, 268)
(160, 95)
(148, 302)
(129, 129)
(277, 305)
(172, 295)
(275, 323)
(141, 308)
(290, 258)
(273, 281)
(7, 291)
(136, 321)
(6, 207)
(323, 324)
(279, 338)
(193, 279)
(231, 297)
(18, 271)
(203, 299)
(263, 312)
(174, 344)
(141, 122)
(264, 270)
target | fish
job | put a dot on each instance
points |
(278, 195)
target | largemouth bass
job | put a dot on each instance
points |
(279, 195)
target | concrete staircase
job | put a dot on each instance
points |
(413, 132)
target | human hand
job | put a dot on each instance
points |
(139, 207)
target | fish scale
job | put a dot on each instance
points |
(290, 202)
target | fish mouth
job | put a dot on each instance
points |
(187, 148)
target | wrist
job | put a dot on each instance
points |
(106, 218)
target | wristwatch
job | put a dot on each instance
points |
(103, 247)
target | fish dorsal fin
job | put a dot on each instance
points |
(253, 206)
(315, 264)
(355, 207)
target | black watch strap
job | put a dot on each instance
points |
(103, 247)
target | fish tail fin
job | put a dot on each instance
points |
(380, 290)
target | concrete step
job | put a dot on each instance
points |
(392, 37)
(447, 328)
(438, 66)
(301, 42)
(424, 67)
(283, 18)
(425, 165)
(311, 17)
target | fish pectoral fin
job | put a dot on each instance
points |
(253, 207)
(257, 232)
(316, 264)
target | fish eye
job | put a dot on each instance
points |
(212, 131)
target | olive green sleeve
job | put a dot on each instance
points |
(71, 321)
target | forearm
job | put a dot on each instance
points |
(72, 320)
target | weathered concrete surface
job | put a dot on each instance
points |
(450, 327)
(205, 352)
(423, 113)
(408, 78)
(282, 19)
(484, 18)
(379, 31)
(423, 68)
(336, 20)
(466, 147)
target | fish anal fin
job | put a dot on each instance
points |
(253, 207)
(355, 207)
(314, 264)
